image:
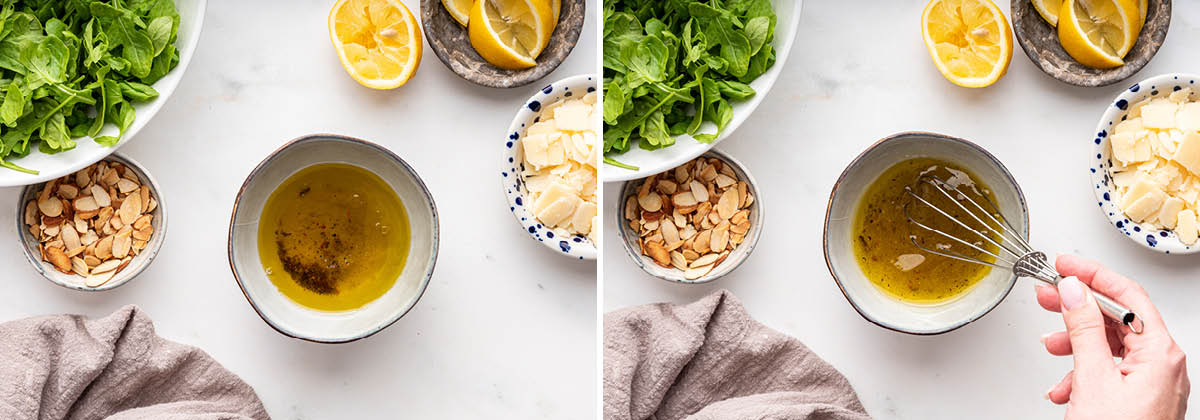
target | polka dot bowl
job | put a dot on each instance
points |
(1100, 162)
(573, 246)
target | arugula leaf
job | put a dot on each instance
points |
(68, 67)
(671, 66)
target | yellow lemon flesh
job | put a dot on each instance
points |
(970, 40)
(378, 41)
(1048, 9)
(510, 33)
(1098, 33)
(460, 10)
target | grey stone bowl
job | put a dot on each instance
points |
(449, 42)
(1040, 42)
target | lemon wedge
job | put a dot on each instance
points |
(970, 40)
(1048, 9)
(510, 33)
(1098, 33)
(460, 10)
(378, 41)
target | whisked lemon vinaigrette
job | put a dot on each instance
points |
(882, 235)
(334, 237)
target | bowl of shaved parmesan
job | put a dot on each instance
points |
(1146, 163)
(551, 152)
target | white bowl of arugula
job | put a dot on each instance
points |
(79, 79)
(679, 82)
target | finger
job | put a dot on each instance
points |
(1086, 330)
(1047, 296)
(1059, 343)
(1111, 284)
(1061, 393)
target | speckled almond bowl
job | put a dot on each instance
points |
(1100, 162)
(876, 305)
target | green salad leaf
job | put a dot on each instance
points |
(671, 65)
(67, 67)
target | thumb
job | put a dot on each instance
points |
(1085, 327)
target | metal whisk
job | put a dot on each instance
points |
(1014, 252)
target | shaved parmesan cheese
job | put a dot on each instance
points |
(1159, 115)
(1169, 214)
(1146, 207)
(560, 154)
(1188, 153)
(1186, 227)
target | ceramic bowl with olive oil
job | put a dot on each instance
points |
(333, 238)
(869, 241)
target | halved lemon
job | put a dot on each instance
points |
(378, 41)
(460, 10)
(970, 40)
(1098, 33)
(1048, 9)
(510, 33)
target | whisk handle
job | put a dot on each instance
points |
(1117, 312)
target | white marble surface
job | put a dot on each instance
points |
(861, 72)
(506, 328)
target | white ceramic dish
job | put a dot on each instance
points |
(139, 262)
(735, 259)
(576, 247)
(1099, 163)
(87, 152)
(869, 300)
(281, 312)
(686, 148)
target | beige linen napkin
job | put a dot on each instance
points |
(710, 360)
(113, 368)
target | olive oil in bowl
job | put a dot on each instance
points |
(883, 246)
(333, 237)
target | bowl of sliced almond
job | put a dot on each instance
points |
(694, 223)
(94, 229)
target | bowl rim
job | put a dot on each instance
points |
(755, 228)
(1170, 244)
(428, 275)
(1012, 279)
(769, 78)
(570, 36)
(133, 272)
(588, 251)
(165, 92)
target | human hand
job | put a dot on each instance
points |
(1150, 380)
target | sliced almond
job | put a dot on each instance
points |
(703, 241)
(687, 232)
(107, 266)
(145, 198)
(699, 191)
(698, 272)
(83, 178)
(690, 255)
(728, 204)
(104, 248)
(125, 186)
(142, 222)
(79, 266)
(670, 232)
(678, 261)
(31, 213)
(684, 199)
(101, 196)
(151, 205)
(740, 228)
(70, 237)
(105, 214)
(705, 260)
(86, 204)
(50, 206)
(67, 191)
(52, 231)
(144, 234)
(631, 208)
(724, 181)
(109, 178)
(124, 263)
(709, 174)
(656, 251)
(681, 174)
(91, 261)
(47, 190)
(122, 242)
(720, 237)
(749, 201)
(97, 280)
(739, 217)
(742, 190)
(666, 186)
(650, 202)
(131, 209)
(59, 259)
(671, 246)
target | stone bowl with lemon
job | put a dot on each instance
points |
(502, 43)
(1091, 42)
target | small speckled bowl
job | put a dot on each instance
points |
(1099, 162)
(1040, 42)
(136, 265)
(577, 247)
(876, 305)
(629, 238)
(449, 42)
(282, 313)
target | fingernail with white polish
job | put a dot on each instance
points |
(1070, 291)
